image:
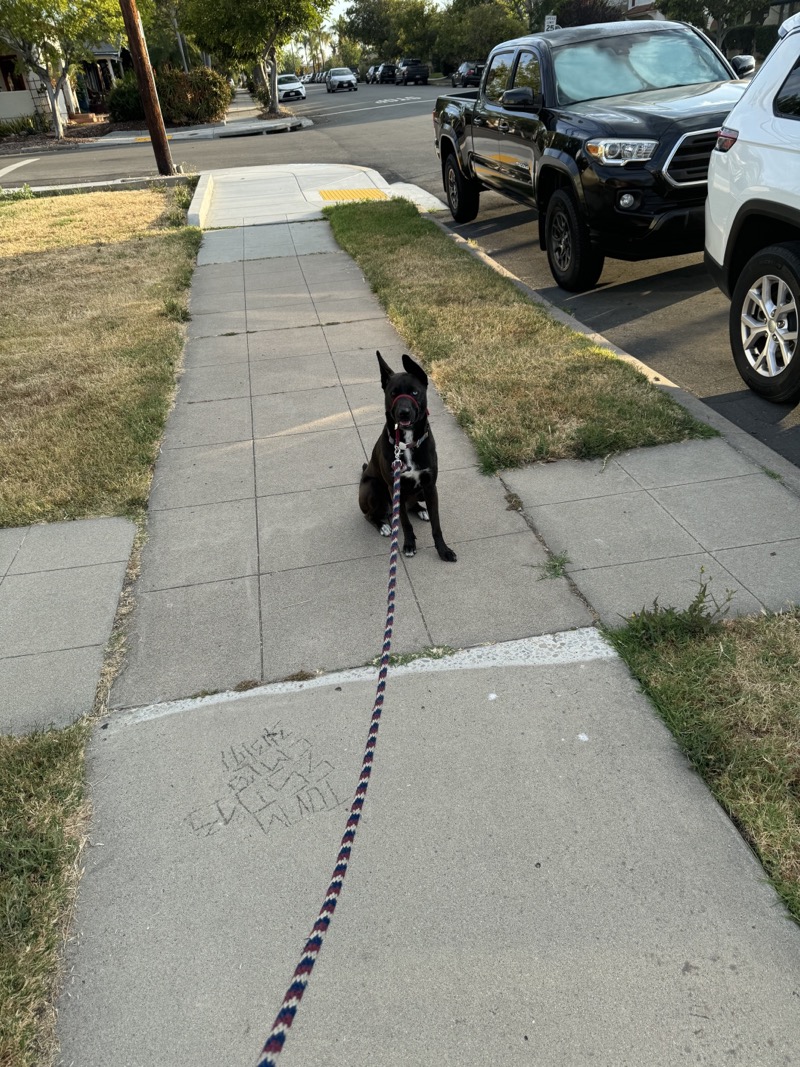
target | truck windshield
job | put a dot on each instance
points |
(633, 63)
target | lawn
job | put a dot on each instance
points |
(523, 386)
(94, 293)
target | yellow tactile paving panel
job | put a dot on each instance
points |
(353, 194)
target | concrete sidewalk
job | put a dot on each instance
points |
(538, 876)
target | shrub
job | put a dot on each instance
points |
(24, 126)
(202, 95)
(124, 102)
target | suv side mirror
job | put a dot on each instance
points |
(522, 99)
(743, 65)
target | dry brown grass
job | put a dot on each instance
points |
(94, 289)
(521, 384)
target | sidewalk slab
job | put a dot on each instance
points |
(290, 193)
(59, 588)
(658, 522)
(511, 882)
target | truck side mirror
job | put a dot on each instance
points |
(522, 99)
(743, 65)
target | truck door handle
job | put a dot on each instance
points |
(503, 126)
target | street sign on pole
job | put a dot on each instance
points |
(550, 23)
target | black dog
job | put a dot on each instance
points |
(406, 408)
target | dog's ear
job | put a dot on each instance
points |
(386, 370)
(415, 370)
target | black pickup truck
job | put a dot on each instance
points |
(411, 70)
(606, 130)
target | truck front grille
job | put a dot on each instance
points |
(688, 161)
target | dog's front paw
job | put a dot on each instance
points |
(386, 530)
(410, 548)
(447, 554)
(423, 513)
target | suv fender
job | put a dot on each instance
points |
(757, 224)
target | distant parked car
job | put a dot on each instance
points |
(340, 78)
(411, 70)
(356, 73)
(385, 73)
(469, 73)
(290, 88)
(372, 74)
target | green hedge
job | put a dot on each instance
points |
(202, 95)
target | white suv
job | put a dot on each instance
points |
(753, 222)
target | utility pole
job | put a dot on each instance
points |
(147, 86)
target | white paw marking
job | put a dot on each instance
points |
(423, 514)
(386, 530)
(409, 552)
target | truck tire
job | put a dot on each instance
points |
(575, 263)
(765, 307)
(463, 195)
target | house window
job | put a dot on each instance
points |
(10, 80)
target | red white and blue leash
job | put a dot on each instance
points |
(300, 979)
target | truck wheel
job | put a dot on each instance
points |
(575, 263)
(424, 81)
(463, 195)
(764, 323)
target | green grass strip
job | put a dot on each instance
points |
(728, 691)
(42, 797)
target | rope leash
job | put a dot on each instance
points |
(302, 974)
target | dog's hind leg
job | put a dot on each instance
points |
(375, 503)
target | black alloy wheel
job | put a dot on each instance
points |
(575, 263)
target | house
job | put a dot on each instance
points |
(22, 93)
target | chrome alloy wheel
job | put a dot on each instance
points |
(769, 326)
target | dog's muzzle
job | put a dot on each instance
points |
(405, 409)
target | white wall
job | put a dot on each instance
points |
(16, 104)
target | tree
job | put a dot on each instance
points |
(586, 12)
(374, 24)
(50, 36)
(724, 13)
(237, 32)
(472, 32)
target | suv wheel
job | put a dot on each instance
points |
(575, 263)
(463, 195)
(764, 323)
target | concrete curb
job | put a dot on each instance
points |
(201, 201)
(756, 451)
(114, 183)
(211, 133)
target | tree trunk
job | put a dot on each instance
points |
(273, 81)
(174, 20)
(52, 99)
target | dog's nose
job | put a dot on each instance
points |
(404, 411)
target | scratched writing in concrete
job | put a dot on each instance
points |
(274, 779)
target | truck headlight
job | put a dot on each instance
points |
(617, 153)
